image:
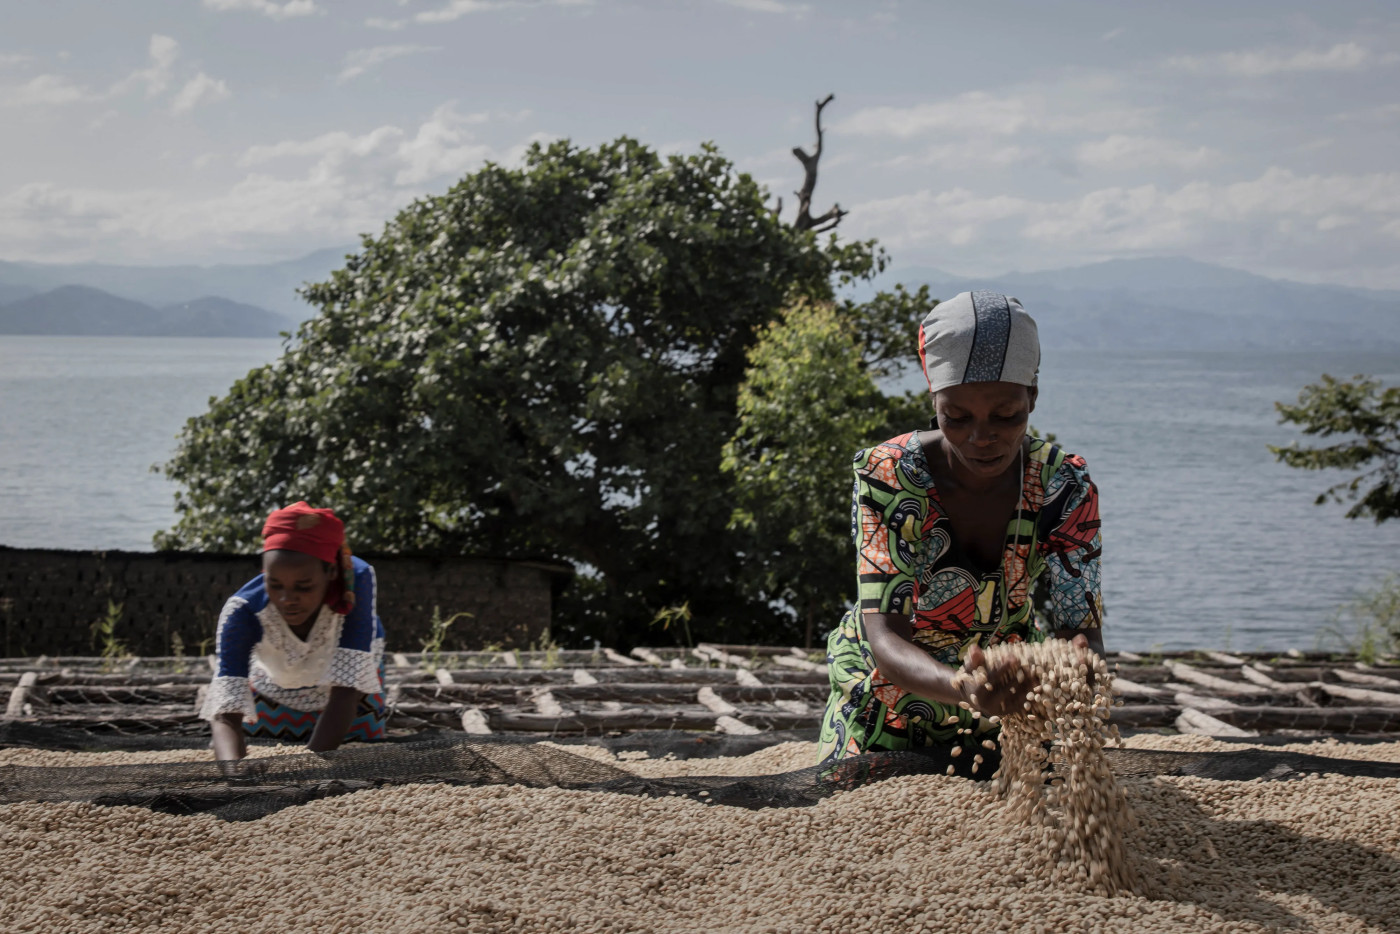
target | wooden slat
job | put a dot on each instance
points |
(726, 724)
(474, 722)
(1145, 716)
(1319, 719)
(705, 650)
(1200, 702)
(1358, 677)
(548, 705)
(747, 678)
(1128, 688)
(618, 658)
(788, 661)
(1253, 674)
(1218, 685)
(565, 692)
(648, 656)
(18, 696)
(1192, 720)
(712, 701)
(1361, 695)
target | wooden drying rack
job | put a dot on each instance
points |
(730, 688)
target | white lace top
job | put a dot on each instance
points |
(257, 651)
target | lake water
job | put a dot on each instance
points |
(1207, 541)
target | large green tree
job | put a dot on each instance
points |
(543, 361)
(810, 400)
(1365, 418)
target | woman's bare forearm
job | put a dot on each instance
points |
(335, 720)
(229, 742)
(904, 664)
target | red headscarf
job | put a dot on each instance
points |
(315, 532)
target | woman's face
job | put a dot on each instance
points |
(296, 584)
(983, 424)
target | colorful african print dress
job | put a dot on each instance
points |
(909, 563)
(281, 683)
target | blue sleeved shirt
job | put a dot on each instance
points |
(258, 651)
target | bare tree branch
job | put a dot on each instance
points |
(805, 220)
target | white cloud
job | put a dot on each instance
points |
(201, 89)
(1344, 56)
(1381, 114)
(968, 154)
(442, 146)
(456, 9)
(1119, 152)
(155, 78)
(333, 149)
(47, 91)
(57, 90)
(321, 189)
(360, 61)
(770, 6)
(14, 59)
(1113, 34)
(979, 112)
(279, 11)
(1276, 213)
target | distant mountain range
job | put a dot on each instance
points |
(1182, 304)
(1150, 304)
(80, 310)
(271, 286)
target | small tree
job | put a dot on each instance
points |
(1367, 417)
(809, 401)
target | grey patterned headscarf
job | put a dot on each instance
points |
(979, 337)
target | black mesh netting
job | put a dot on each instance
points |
(257, 787)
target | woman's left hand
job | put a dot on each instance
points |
(1000, 691)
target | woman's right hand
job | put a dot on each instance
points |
(228, 738)
(1002, 688)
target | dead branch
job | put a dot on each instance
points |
(805, 220)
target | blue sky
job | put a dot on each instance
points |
(978, 138)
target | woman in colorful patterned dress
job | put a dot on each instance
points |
(953, 526)
(300, 646)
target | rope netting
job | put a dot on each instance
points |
(256, 787)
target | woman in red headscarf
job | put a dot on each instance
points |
(301, 647)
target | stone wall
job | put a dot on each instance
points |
(49, 600)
